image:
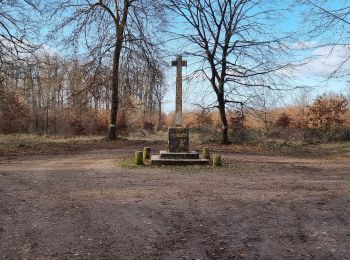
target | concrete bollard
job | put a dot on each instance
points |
(138, 158)
(217, 160)
(146, 153)
(206, 153)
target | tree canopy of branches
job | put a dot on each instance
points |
(236, 45)
(108, 28)
(16, 28)
(329, 22)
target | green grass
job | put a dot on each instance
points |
(128, 162)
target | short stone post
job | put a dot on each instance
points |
(206, 153)
(139, 158)
(217, 160)
(146, 153)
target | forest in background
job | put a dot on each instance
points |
(55, 96)
(116, 67)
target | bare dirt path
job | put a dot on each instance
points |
(85, 206)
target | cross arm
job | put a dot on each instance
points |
(175, 63)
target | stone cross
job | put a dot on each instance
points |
(178, 63)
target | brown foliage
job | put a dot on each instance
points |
(203, 118)
(283, 120)
(77, 125)
(327, 111)
(237, 122)
(13, 114)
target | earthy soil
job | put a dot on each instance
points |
(88, 206)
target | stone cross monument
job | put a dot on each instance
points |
(178, 63)
(178, 152)
(178, 135)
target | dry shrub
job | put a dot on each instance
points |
(283, 121)
(236, 123)
(248, 136)
(148, 126)
(101, 121)
(203, 118)
(122, 121)
(205, 135)
(76, 124)
(13, 113)
(327, 111)
(319, 135)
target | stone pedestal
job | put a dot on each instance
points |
(178, 153)
(179, 140)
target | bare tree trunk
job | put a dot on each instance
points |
(47, 118)
(150, 103)
(150, 96)
(224, 128)
(159, 115)
(112, 135)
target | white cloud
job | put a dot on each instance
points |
(11, 50)
(324, 61)
(304, 45)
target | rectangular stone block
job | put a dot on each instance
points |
(156, 160)
(179, 139)
(183, 155)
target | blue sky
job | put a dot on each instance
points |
(322, 61)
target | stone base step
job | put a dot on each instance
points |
(156, 160)
(170, 155)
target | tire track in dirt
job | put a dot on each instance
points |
(85, 207)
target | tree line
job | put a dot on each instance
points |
(52, 95)
(118, 59)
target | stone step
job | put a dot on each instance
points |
(156, 160)
(170, 155)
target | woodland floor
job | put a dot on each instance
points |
(88, 202)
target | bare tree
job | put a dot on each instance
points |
(302, 101)
(328, 21)
(104, 26)
(233, 43)
(17, 27)
(261, 104)
(159, 93)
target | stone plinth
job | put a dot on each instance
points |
(170, 155)
(179, 140)
(156, 160)
(178, 153)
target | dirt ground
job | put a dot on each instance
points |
(87, 206)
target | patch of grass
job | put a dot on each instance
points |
(21, 145)
(24, 145)
(128, 162)
(286, 149)
(303, 150)
(143, 135)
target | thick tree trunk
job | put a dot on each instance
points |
(159, 115)
(112, 134)
(224, 128)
